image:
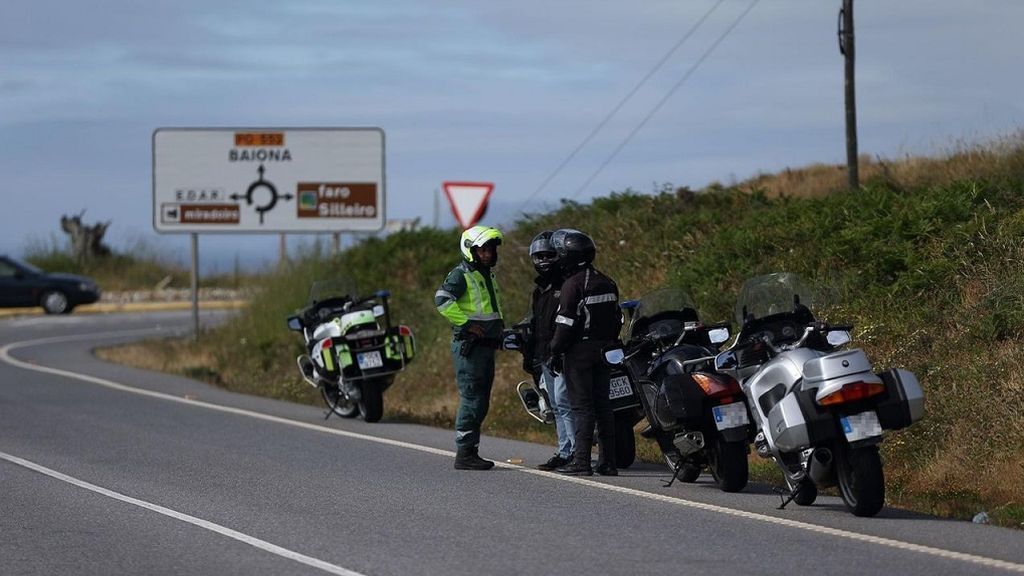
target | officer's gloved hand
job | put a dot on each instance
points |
(555, 364)
(512, 341)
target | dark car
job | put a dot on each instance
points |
(22, 284)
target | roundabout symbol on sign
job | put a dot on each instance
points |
(261, 183)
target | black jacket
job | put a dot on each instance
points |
(588, 309)
(543, 308)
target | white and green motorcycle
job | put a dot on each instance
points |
(353, 351)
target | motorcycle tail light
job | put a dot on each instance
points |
(328, 343)
(853, 392)
(404, 330)
(716, 385)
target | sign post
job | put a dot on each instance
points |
(266, 180)
(468, 200)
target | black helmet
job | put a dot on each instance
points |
(543, 254)
(574, 248)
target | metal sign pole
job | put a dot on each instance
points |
(195, 286)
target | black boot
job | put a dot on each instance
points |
(607, 469)
(576, 468)
(552, 463)
(469, 459)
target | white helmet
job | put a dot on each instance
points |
(478, 236)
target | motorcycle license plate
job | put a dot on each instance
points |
(369, 360)
(730, 415)
(619, 388)
(861, 426)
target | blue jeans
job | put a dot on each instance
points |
(558, 393)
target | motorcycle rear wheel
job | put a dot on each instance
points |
(371, 404)
(728, 464)
(861, 480)
(625, 442)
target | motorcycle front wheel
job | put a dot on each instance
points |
(332, 397)
(861, 480)
(728, 464)
(688, 472)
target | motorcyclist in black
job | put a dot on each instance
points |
(544, 307)
(588, 320)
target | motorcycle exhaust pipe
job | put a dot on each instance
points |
(819, 466)
(689, 442)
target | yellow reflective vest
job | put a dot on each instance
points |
(469, 295)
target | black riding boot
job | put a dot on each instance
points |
(469, 459)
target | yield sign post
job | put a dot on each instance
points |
(468, 200)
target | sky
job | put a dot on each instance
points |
(478, 90)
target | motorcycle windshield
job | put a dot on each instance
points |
(341, 288)
(664, 310)
(772, 294)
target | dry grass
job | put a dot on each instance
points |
(967, 161)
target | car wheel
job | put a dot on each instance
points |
(55, 302)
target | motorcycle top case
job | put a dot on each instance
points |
(831, 371)
(904, 401)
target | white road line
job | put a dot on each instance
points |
(847, 534)
(233, 534)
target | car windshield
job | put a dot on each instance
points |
(340, 287)
(18, 263)
(772, 294)
(664, 310)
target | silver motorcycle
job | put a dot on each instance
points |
(820, 411)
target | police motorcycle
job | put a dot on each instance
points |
(820, 411)
(352, 351)
(698, 418)
(537, 402)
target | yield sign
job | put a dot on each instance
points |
(468, 200)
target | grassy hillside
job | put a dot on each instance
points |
(930, 269)
(139, 268)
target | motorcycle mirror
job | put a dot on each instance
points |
(383, 294)
(718, 335)
(838, 337)
(378, 310)
(726, 361)
(629, 304)
(614, 356)
(294, 323)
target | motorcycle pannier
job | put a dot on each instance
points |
(904, 401)
(682, 399)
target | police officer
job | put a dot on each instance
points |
(588, 320)
(544, 307)
(469, 298)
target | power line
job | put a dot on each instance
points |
(661, 103)
(622, 102)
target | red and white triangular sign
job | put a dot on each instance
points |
(468, 200)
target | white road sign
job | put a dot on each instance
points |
(268, 179)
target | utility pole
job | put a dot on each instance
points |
(846, 48)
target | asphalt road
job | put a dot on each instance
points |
(111, 470)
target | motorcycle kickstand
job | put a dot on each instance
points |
(787, 499)
(675, 474)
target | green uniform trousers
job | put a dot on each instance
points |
(474, 375)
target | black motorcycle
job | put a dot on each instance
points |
(698, 417)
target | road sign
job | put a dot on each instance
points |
(268, 179)
(468, 200)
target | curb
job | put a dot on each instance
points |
(113, 307)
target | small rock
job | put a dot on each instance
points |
(980, 518)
